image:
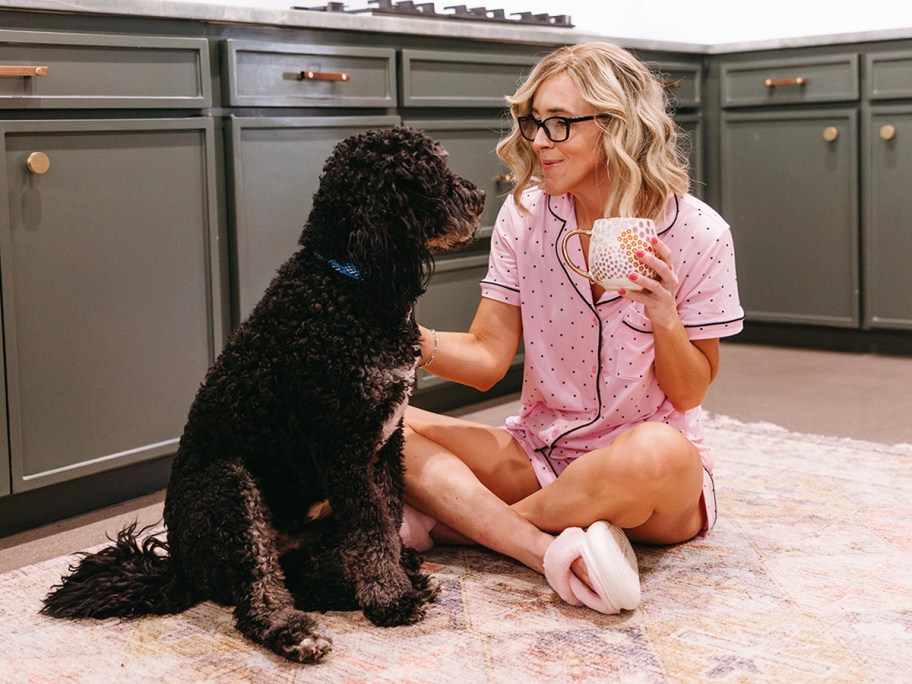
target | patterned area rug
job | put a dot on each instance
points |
(807, 577)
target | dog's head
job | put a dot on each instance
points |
(386, 200)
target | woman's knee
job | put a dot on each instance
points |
(658, 453)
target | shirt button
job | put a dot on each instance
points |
(594, 370)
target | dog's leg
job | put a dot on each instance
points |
(235, 549)
(371, 550)
(390, 479)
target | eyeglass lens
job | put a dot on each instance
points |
(557, 128)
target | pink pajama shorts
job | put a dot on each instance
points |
(708, 499)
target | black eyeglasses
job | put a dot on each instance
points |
(557, 128)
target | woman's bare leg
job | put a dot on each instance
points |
(648, 481)
(469, 492)
(477, 480)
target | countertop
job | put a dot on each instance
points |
(503, 32)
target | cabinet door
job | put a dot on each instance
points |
(275, 166)
(789, 192)
(111, 298)
(887, 227)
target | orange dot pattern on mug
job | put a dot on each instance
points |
(619, 262)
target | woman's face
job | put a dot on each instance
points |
(576, 165)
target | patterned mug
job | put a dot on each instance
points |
(613, 243)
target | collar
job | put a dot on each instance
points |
(563, 204)
(348, 269)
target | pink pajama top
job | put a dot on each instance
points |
(589, 365)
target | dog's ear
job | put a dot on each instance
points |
(373, 208)
(384, 242)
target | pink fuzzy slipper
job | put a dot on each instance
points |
(416, 528)
(610, 563)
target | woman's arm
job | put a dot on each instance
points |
(481, 356)
(684, 368)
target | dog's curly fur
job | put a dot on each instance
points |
(285, 494)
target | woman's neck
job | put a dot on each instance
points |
(587, 212)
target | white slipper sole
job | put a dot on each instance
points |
(610, 563)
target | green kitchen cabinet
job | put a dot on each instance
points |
(789, 186)
(111, 295)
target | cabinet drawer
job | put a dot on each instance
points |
(269, 74)
(456, 79)
(683, 83)
(889, 75)
(815, 79)
(100, 71)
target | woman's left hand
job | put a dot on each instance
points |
(658, 294)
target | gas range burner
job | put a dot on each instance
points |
(408, 8)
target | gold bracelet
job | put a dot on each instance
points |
(434, 352)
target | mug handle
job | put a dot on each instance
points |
(576, 231)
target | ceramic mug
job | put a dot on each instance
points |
(613, 244)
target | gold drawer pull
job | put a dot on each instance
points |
(671, 85)
(23, 71)
(830, 133)
(887, 132)
(323, 76)
(38, 162)
(778, 82)
(504, 178)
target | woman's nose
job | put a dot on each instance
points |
(541, 139)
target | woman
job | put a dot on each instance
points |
(609, 424)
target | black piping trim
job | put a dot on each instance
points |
(546, 451)
(645, 332)
(693, 325)
(675, 219)
(714, 323)
(504, 287)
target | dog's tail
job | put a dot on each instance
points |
(131, 578)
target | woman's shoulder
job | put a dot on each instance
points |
(534, 206)
(698, 214)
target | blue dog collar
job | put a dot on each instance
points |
(349, 270)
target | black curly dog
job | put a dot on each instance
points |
(285, 494)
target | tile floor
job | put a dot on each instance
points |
(863, 396)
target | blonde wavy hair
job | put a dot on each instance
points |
(644, 162)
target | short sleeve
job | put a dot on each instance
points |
(501, 282)
(708, 300)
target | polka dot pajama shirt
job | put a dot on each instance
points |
(589, 372)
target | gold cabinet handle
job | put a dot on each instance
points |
(779, 82)
(671, 85)
(504, 178)
(38, 162)
(830, 133)
(23, 71)
(887, 132)
(323, 76)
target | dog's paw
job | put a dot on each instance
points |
(410, 560)
(425, 585)
(296, 638)
(406, 609)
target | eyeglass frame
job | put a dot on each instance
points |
(568, 120)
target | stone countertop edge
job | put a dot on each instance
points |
(475, 30)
